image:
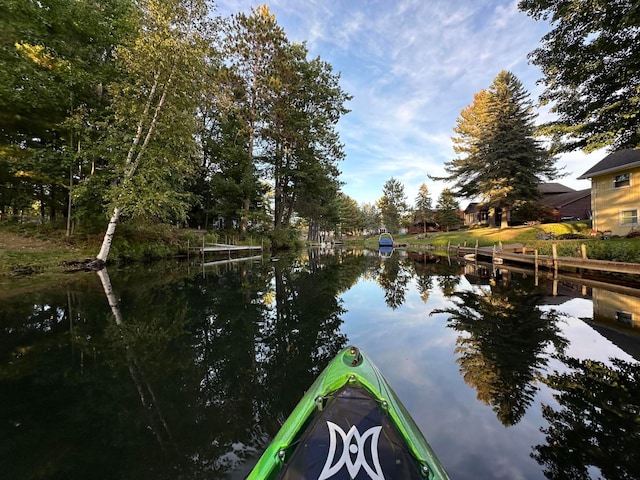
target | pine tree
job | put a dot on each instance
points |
(448, 210)
(423, 206)
(499, 158)
(392, 204)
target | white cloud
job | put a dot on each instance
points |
(411, 66)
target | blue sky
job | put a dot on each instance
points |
(411, 67)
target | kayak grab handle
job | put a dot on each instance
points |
(356, 355)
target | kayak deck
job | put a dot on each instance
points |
(349, 425)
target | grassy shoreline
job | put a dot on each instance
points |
(567, 236)
(36, 249)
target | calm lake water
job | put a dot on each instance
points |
(177, 371)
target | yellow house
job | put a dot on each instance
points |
(615, 192)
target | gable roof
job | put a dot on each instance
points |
(614, 162)
(554, 188)
(473, 207)
(564, 199)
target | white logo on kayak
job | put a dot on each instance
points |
(352, 443)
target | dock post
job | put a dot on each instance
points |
(476, 250)
(583, 247)
(205, 234)
(554, 251)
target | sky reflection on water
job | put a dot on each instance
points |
(221, 348)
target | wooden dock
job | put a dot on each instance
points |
(231, 260)
(224, 248)
(221, 247)
(519, 254)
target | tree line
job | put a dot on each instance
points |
(159, 110)
(162, 111)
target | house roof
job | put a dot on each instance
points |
(564, 199)
(554, 188)
(614, 162)
(472, 208)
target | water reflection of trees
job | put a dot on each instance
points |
(394, 278)
(597, 421)
(501, 346)
(191, 373)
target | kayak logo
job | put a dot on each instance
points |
(352, 443)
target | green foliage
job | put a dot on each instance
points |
(499, 159)
(532, 211)
(350, 215)
(52, 72)
(284, 238)
(371, 217)
(287, 108)
(132, 108)
(423, 207)
(392, 204)
(589, 60)
(448, 210)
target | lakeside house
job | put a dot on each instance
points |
(565, 202)
(615, 192)
(568, 205)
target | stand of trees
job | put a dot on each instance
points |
(159, 111)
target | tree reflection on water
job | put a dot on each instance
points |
(502, 343)
(190, 373)
(597, 423)
(182, 374)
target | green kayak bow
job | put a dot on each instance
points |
(349, 425)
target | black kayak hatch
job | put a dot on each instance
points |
(352, 438)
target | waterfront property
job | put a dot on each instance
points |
(615, 192)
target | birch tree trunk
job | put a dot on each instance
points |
(108, 236)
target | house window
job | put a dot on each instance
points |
(622, 180)
(629, 217)
(624, 317)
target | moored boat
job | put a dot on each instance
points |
(385, 240)
(349, 425)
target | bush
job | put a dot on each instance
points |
(285, 238)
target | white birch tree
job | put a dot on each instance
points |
(150, 138)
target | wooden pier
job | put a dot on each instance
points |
(232, 260)
(221, 247)
(519, 254)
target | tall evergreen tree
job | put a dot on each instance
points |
(447, 210)
(499, 158)
(590, 60)
(253, 48)
(423, 206)
(392, 204)
(291, 107)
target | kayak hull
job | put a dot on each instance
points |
(349, 424)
